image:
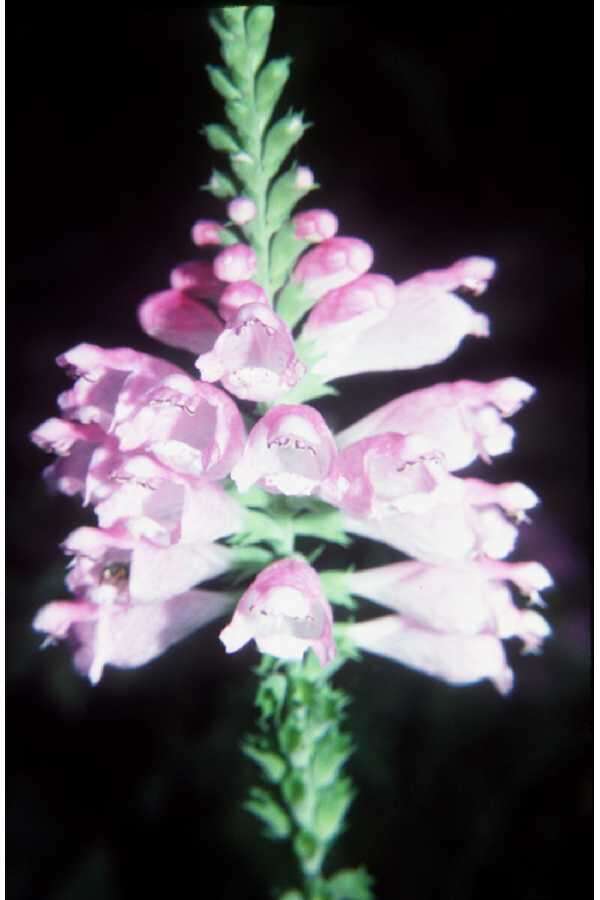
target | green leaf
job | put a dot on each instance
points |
(265, 808)
(298, 796)
(332, 806)
(271, 694)
(351, 884)
(272, 765)
(280, 139)
(270, 84)
(330, 755)
(219, 138)
(292, 895)
(222, 83)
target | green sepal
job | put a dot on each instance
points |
(292, 743)
(220, 138)
(258, 31)
(283, 196)
(350, 884)
(332, 805)
(265, 808)
(311, 387)
(335, 587)
(259, 527)
(326, 523)
(285, 250)
(219, 28)
(270, 84)
(254, 497)
(228, 238)
(272, 766)
(293, 304)
(220, 186)
(248, 561)
(233, 16)
(245, 167)
(280, 139)
(241, 117)
(235, 54)
(222, 84)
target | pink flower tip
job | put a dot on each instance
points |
(315, 225)
(238, 294)
(241, 210)
(235, 263)
(304, 178)
(205, 232)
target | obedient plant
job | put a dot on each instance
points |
(217, 470)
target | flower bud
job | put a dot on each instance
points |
(331, 264)
(315, 225)
(238, 294)
(235, 263)
(241, 210)
(206, 231)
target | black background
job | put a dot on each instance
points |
(439, 133)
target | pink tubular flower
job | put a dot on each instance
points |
(109, 566)
(127, 635)
(254, 357)
(241, 210)
(289, 451)
(469, 598)
(455, 658)
(466, 526)
(423, 325)
(464, 419)
(206, 232)
(315, 225)
(162, 506)
(235, 263)
(108, 382)
(285, 611)
(197, 279)
(190, 427)
(389, 473)
(331, 264)
(176, 320)
(239, 294)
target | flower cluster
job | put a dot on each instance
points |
(275, 307)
